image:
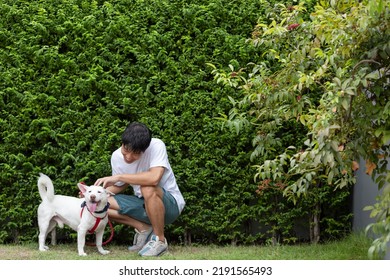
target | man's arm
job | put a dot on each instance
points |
(117, 189)
(151, 177)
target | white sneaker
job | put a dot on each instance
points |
(154, 247)
(140, 239)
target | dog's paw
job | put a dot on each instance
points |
(44, 248)
(104, 252)
(82, 254)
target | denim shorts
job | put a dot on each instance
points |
(134, 207)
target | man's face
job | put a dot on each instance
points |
(129, 156)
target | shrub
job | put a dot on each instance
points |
(75, 72)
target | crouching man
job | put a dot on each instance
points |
(142, 163)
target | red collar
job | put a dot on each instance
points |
(97, 221)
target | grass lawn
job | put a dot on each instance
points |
(353, 247)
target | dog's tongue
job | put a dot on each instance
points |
(92, 207)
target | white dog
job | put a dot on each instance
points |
(81, 214)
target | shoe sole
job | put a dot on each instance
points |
(158, 255)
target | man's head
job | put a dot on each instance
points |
(135, 140)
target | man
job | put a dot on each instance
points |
(142, 162)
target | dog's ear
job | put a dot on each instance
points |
(110, 193)
(82, 187)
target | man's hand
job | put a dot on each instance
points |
(106, 181)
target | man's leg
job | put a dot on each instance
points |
(142, 230)
(124, 219)
(155, 209)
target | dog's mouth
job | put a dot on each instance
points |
(93, 205)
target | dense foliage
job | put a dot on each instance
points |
(328, 73)
(75, 72)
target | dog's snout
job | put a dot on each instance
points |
(93, 197)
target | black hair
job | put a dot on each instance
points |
(136, 137)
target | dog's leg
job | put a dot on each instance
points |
(43, 231)
(52, 230)
(42, 239)
(81, 233)
(54, 236)
(99, 242)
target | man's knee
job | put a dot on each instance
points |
(150, 192)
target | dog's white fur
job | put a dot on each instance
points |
(60, 209)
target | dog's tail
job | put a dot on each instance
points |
(45, 187)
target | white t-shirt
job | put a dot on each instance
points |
(155, 155)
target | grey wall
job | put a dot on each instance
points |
(364, 193)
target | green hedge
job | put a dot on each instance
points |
(75, 72)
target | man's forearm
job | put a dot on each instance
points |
(148, 178)
(117, 189)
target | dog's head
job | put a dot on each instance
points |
(95, 196)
